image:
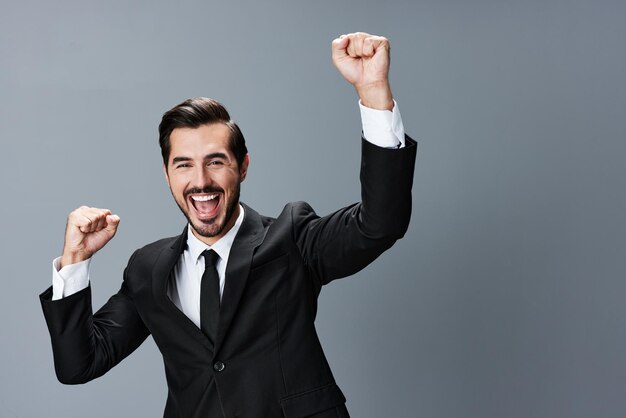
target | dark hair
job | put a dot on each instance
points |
(193, 113)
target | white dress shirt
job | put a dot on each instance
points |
(382, 128)
(184, 290)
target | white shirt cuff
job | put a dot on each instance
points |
(70, 279)
(383, 128)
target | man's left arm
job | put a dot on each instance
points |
(345, 241)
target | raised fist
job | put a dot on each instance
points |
(363, 60)
(87, 231)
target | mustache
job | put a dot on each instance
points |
(207, 189)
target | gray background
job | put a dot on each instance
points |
(505, 298)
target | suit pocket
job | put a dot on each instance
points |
(273, 265)
(312, 401)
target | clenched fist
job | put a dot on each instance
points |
(363, 60)
(87, 231)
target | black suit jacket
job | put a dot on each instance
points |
(267, 360)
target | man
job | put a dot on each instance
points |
(231, 302)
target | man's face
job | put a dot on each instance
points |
(204, 179)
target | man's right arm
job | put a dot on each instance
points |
(87, 345)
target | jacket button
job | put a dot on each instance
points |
(218, 367)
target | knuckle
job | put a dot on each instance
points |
(81, 224)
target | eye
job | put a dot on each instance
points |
(216, 163)
(183, 165)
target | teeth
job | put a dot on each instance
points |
(204, 198)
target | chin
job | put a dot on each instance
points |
(208, 230)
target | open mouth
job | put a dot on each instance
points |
(206, 205)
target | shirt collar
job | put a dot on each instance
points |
(221, 246)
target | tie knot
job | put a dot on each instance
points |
(210, 258)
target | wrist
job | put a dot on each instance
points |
(376, 95)
(72, 258)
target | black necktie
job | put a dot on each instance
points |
(210, 295)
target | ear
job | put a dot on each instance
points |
(243, 170)
(167, 177)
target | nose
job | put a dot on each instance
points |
(202, 177)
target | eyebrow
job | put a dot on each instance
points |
(179, 159)
(206, 157)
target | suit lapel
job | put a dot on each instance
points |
(249, 237)
(161, 274)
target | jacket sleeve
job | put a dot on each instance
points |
(86, 345)
(347, 240)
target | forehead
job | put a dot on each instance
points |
(197, 142)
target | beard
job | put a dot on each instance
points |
(212, 227)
